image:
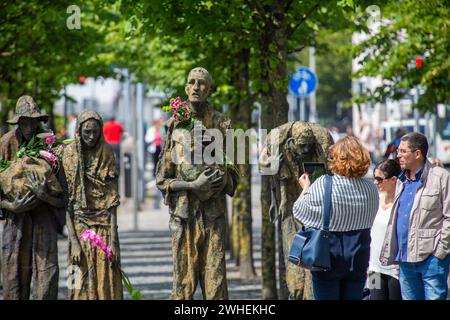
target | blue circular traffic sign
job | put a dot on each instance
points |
(303, 82)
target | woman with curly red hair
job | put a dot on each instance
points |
(354, 204)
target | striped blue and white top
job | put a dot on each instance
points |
(354, 204)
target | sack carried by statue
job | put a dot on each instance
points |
(310, 248)
(14, 178)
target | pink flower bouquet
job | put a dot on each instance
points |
(180, 113)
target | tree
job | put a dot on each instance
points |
(47, 54)
(409, 30)
(214, 34)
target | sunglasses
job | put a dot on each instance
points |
(380, 179)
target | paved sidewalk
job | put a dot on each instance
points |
(147, 253)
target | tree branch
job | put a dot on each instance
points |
(295, 50)
(13, 17)
(290, 31)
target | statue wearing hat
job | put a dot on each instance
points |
(298, 142)
(29, 203)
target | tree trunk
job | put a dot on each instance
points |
(246, 263)
(227, 225)
(273, 60)
(268, 249)
(3, 124)
(235, 232)
(269, 279)
(242, 206)
(284, 292)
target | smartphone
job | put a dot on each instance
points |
(314, 169)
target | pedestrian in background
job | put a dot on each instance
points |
(113, 130)
(354, 204)
(393, 146)
(349, 131)
(367, 139)
(418, 232)
(72, 126)
(383, 280)
(154, 139)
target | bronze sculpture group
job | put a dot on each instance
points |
(85, 187)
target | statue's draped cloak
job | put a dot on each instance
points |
(92, 183)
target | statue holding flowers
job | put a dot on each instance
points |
(30, 197)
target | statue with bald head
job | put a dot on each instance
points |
(194, 192)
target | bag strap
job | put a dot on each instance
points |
(327, 202)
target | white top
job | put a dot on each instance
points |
(377, 234)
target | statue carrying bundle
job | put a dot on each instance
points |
(39, 156)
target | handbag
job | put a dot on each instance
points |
(310, 248)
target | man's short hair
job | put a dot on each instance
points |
(417, 141)
(203, 71)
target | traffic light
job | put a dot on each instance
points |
(419, 61)
(82, 79)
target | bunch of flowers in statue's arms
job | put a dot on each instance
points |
(180, 113)
(43, 145)
(38, 156)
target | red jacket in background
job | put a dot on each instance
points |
(112, 130)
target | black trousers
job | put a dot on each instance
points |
(384, 287)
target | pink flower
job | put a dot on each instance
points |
(48, 137)
(184, 104)
(175, 117)
(108, 252)
(186, 116)
(174, 109)
(96, 241)
(85, 234)
(50, 157)
(176, 102)
(50, 140)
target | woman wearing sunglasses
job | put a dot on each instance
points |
(383, 280)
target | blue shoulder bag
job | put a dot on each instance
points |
(310, 248)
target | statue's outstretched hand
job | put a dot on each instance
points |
(19, 205)
(76, 251)
(37, 185)
(207, 183)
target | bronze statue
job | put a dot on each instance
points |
(194, 193)
(29, 251)
(298, 142)
(92, 186)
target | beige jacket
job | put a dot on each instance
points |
(429, 222)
